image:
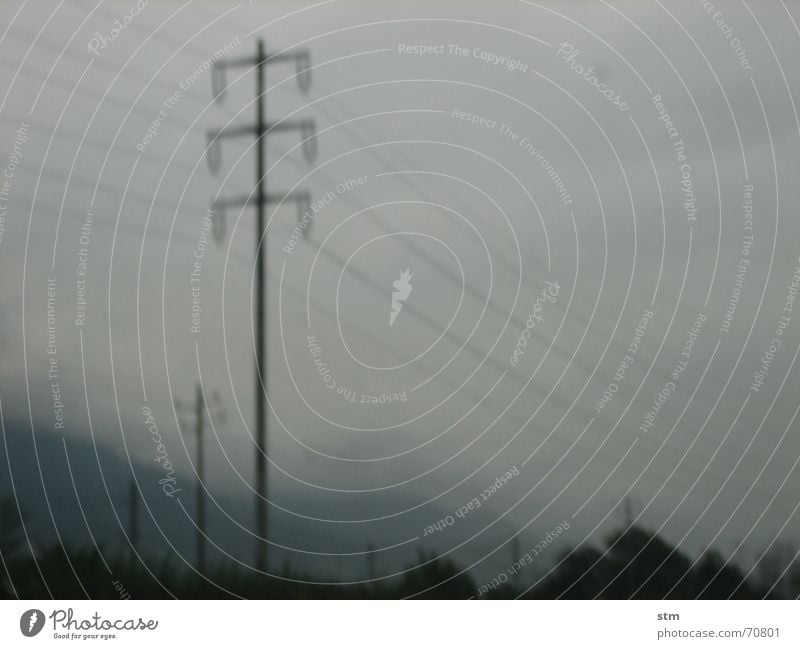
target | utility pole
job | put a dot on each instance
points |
(371, 572)
(200, 503)
(133, 512)
(260, 200)
(514, 558)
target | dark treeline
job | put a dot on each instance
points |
(634, 563)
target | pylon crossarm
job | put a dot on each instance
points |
(240, 201)
(300, 197)
(291, 125)
(239, 62)
(302, 60)
(231, 131)
(303, 201)
(222, 204)
(298, 56)
(308, 133)
(286, 55)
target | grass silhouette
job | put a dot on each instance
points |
(635, 564)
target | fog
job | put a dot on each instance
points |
(643, 239)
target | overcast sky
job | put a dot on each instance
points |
(655, 118)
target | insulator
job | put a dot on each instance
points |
(219, 221)
(213, 151)
(303, 65)
(219, 83)
(303, 208)
(309, 134)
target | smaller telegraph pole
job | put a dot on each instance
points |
(133, 512)
(200, 502)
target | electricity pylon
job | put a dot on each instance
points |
(260, 199)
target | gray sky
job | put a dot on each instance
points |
(471, 211)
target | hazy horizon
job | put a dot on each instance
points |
(461, 195)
